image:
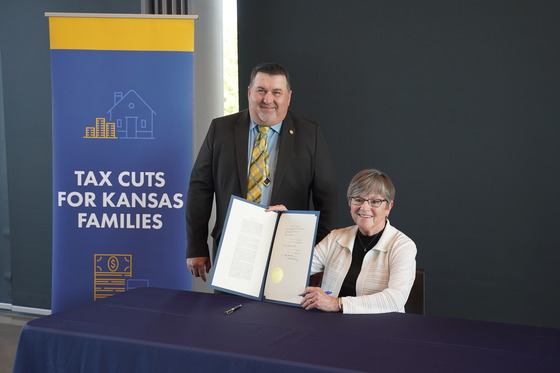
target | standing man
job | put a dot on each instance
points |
(265, 154)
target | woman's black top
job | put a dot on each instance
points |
(362, 244)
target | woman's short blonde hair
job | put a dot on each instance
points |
(371, 181)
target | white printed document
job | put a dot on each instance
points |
(265, 255)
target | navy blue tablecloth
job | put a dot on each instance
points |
(162, 330)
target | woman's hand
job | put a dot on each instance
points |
(316, 298)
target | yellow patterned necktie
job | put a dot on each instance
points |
(258, 171)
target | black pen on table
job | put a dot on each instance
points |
(233, 309)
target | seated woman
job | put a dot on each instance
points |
(368, 267)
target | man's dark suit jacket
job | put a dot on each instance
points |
(303, 173)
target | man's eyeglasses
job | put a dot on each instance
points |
(357, 201)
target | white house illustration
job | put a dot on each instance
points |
(133, 117)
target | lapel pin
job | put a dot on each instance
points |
(291, 132)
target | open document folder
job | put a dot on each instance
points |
(265, 255)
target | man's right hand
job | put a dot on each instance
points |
(199, 266)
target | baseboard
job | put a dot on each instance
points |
(27, 310)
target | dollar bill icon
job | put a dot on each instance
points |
(110, 274)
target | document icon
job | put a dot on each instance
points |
(110, 274)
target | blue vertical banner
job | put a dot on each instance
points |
(122, 88)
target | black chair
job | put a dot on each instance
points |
(415, 302)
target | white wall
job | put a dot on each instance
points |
(209, 82)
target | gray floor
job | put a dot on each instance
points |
(10, 327)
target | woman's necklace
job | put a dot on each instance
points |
(371, 239)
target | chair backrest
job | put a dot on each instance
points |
(415, 303)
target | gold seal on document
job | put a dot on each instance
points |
(277, 275)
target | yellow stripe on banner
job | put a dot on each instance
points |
(131, 34)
